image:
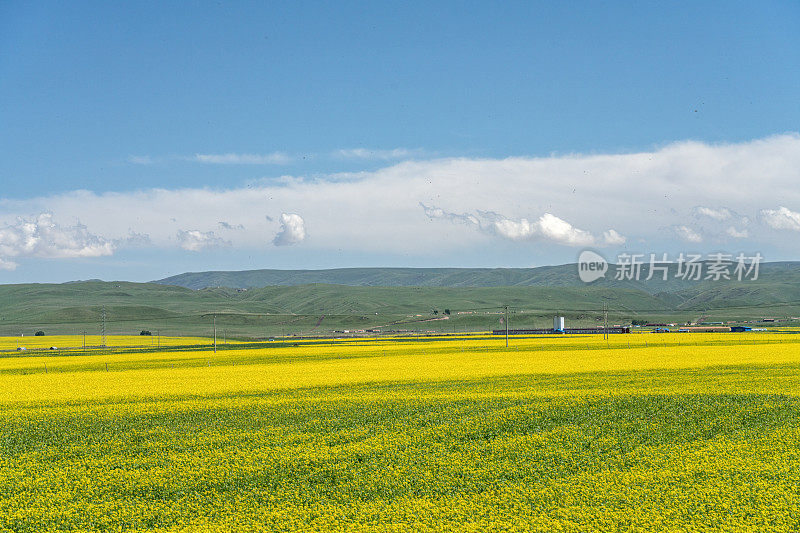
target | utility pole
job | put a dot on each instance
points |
(158, 334)
(215, 333)
(506, 326)
(103, 327)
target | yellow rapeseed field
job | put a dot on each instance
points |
(686, 432)
(93, 341)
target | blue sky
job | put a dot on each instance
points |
(296, 103)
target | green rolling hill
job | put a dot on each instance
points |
(546, 276)
(377, 277)
(320, 302)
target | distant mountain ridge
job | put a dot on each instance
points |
(376, 277)
(317, 301)
(545, 276)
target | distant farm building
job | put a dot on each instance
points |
(559, 324)
(566, 331)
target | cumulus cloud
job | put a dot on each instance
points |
(8, 265)
(612, 238)
(782, 218)
(293, 230)
(717, 214)
(547, 227)
(134, 239)
(275, 158)
(561, 231)
(364, 153)
(438, 212)
(40, 236)
(195, 240)
(687, 234)
(736, 234)
(516, 230)
(639, 195)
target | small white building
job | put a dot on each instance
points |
(558, 323)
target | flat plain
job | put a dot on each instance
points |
(641, 432)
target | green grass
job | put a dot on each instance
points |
(323, 308)
(546, 276)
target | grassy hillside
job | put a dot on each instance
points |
(324, 308)
(546, 276)
(377, 277)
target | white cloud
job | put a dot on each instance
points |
(378, 212)
(364, 153)
(134, 239)
(438, 212)
(547, 227)
(8, 265)
(293, 230)
(717, 214)
(687, 234)
(40, 236)
(516, 230)
(227, 225)
(141, 160)
(562, 232)
(736, 234)
(612, 238)
(195, 240)
(782, 218)
(275, 158)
